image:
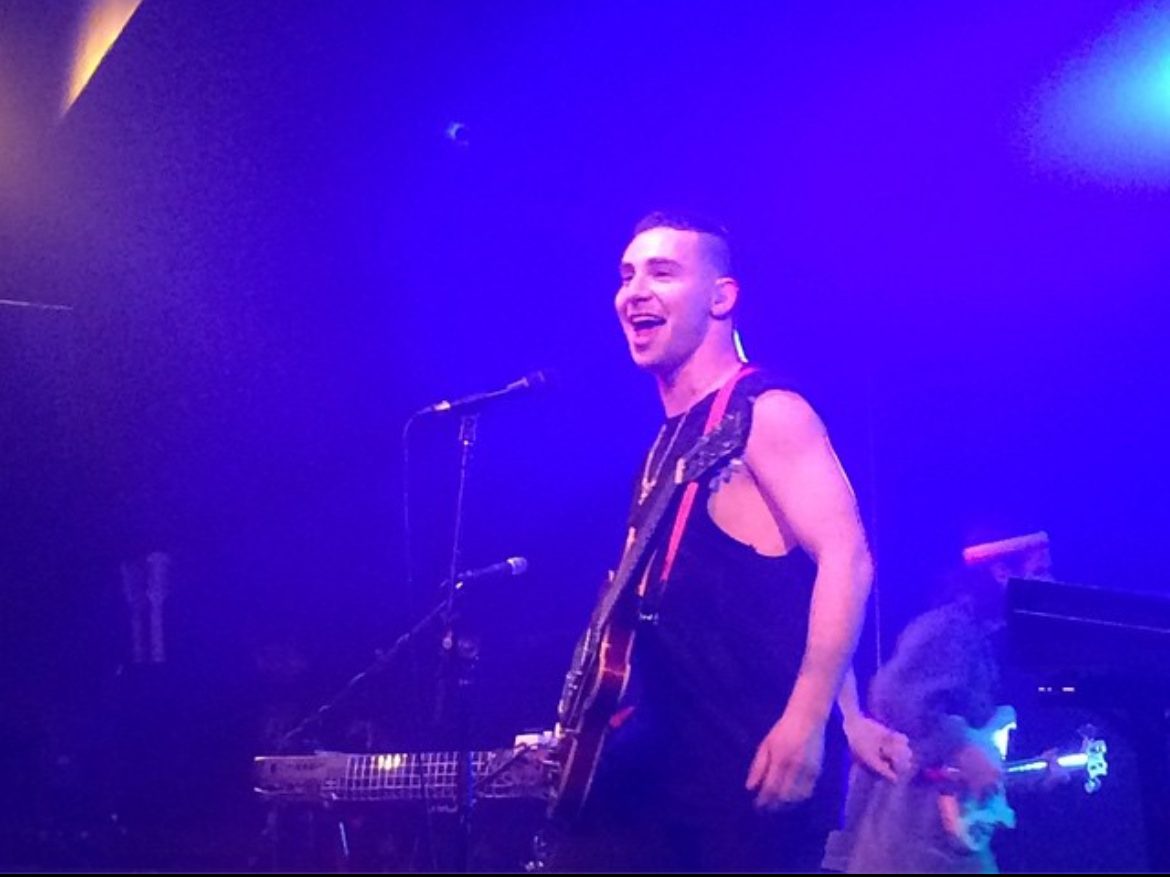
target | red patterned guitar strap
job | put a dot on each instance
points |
(718, 410)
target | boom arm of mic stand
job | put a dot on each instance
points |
(384, 659)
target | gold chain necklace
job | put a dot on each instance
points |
(648, 481)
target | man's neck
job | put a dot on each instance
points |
(699, 376)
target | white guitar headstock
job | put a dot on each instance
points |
(158, 578)
(1096, 765)
(158, 586)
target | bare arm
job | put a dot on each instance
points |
(881, 749)
(848, 700)
(798, 474)
(801, 480)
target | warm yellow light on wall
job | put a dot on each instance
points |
(102, 21)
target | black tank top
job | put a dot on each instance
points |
(715, 669)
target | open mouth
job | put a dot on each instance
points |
(643, 324)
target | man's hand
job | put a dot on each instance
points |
(980, 774)
(787, 762)
(883, 750)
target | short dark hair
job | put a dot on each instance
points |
(716, 238)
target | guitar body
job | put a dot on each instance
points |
(969, 821)
(603, 669)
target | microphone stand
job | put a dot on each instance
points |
(383, 660)
(459, 654)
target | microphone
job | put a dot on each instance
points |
(534, 381)
(513, 566)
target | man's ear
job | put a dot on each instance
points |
(725, 298)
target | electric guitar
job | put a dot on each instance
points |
(601, 663)
(971, 822)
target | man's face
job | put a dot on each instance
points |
(665, 298)
(1036, 563)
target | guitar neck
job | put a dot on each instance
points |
(714, 446)
(1075, 761)
(634, 559)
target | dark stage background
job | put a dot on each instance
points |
(951, 226)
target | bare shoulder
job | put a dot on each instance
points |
(783, 420)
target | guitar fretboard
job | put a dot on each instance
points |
(634, 557)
